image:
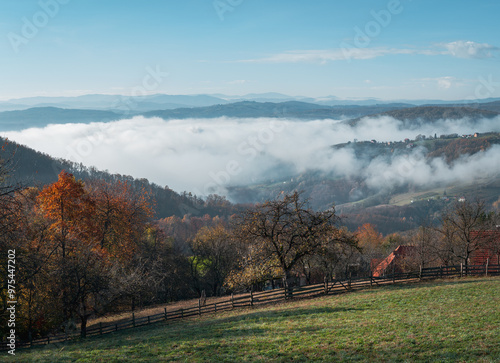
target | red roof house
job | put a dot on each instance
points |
(396, 261)
(489, 250)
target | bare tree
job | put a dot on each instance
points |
(459, 228)
(282, 232)
(426, 249)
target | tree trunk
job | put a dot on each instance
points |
(83, 326)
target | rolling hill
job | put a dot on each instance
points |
(417, 116)
(289, 109)
(42, 116)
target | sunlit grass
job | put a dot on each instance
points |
(455, 320)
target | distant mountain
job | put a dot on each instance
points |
(412, 116)
(131, 104)
(42, 116)
(415, 116)
(289, 109)
(115, 102)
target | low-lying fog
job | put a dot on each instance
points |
(204, 155)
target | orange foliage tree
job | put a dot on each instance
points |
(369, 237)
(120, 217)
(91, 231)
(68, 207)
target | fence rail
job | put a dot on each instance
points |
(272, 296)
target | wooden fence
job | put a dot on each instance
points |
(273, 296)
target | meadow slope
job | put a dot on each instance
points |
(449, 320)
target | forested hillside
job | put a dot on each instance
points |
(32, 168)
(415, 116)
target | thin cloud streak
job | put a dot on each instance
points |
(456, 49)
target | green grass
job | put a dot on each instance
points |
(452, 320)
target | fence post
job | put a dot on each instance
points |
(215, 308)
(251, 297)
(48, 340)
(100, 328)
(441, 271)
(116, 327)
(349, 282)
(232, 300)
(420, 273)
(166, 316)
(486, 269)
(326, 285)
(133, 319)
(148, 320)
(182, 313)
(461, 269)
(199, 306)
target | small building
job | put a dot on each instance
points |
(489, 250)
(398, 261)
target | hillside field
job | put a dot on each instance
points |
(449, 320)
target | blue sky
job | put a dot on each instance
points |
(404, 49)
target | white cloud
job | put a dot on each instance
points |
(238, 81)
(205, 155)
(458, 49)
(327, 55)
(469, 49)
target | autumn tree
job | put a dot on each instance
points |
(120, 216)
(36, 317)
(68, 207)
(93, 230)
(372, 245)
(369, 238)
(213, 259)
(160, 271)
(9, 209)
(340, 250)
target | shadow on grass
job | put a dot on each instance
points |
(245, 324)
(195, 330)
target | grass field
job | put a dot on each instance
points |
(451, 320)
